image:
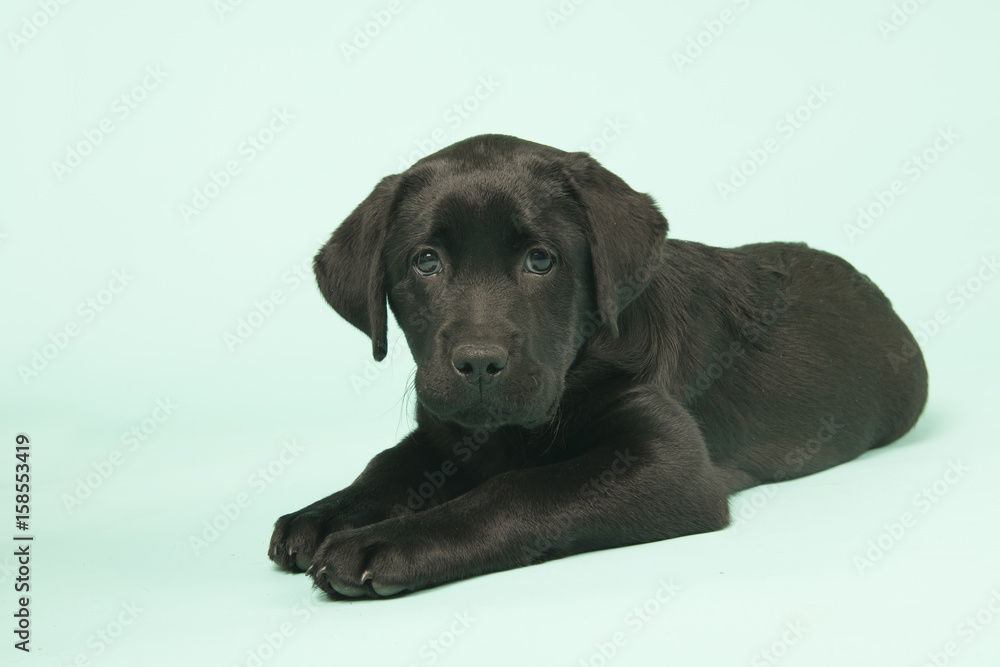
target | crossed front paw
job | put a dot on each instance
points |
(299, 535)
(374, 561)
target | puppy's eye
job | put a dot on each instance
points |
(538, 261)
(427, 263)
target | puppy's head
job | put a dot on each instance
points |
(497, 256)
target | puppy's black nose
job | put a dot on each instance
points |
(479, 363)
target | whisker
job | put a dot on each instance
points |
(555, 421)
(406, 401)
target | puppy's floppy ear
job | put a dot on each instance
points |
(625, 230)
(350, 268)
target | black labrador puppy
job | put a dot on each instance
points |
(583, 382)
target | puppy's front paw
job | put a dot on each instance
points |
(298, 535)
(375, 561)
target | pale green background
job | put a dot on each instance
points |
(298, 377)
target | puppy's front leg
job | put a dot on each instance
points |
(644, 475)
